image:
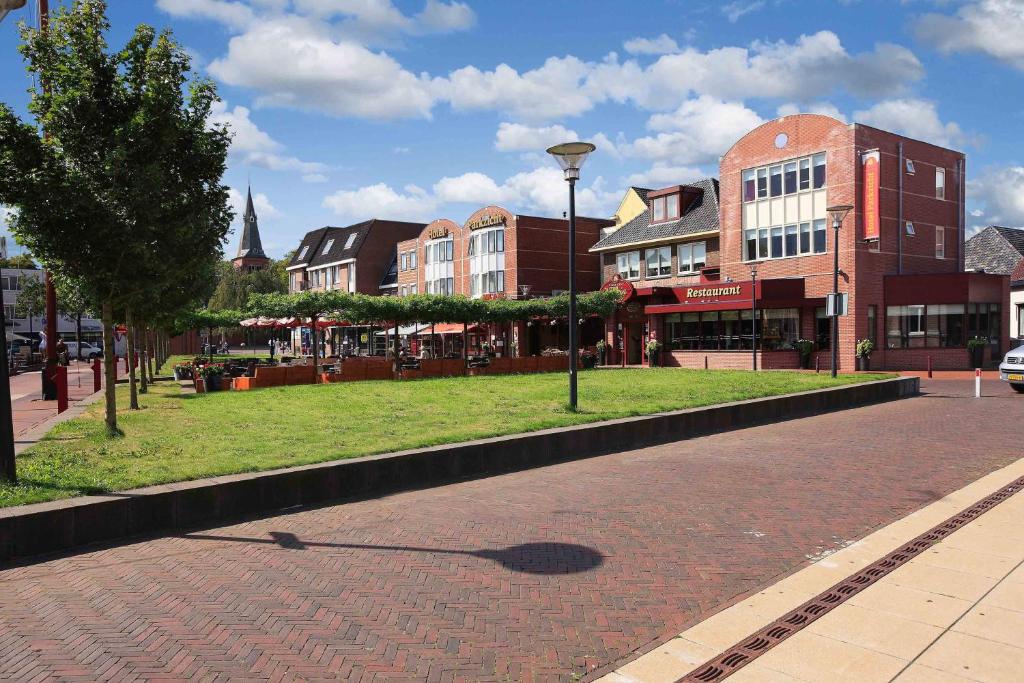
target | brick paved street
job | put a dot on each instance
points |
(530, 576)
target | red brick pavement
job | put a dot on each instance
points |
(28, 410)
(530, 576)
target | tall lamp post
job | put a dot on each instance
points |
(570, 156)
(8, 471)
(753, 312)
(838, 213)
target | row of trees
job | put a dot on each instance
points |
(362, 309)
(117, 184)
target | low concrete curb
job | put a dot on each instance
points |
(61, 525)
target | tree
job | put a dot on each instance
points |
(234, 286)
(23, 261)
(125, 153)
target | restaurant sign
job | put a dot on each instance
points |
(486, 221)
(712, 292)
(726, 292)
(872, 218)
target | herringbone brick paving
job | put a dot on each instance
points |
(535, 576)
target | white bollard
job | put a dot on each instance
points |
(977, 382)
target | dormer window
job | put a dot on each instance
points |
(351, 239)
(327, 247)
(665, 208)
(302, 254)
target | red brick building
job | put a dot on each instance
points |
(689, 283)
(498, 254)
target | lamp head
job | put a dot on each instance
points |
(838, 212)
(8, 5)
(570, 156)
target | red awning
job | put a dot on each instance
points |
(450, 328)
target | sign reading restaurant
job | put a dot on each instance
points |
(486, 221)
(709, 292)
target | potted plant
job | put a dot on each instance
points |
(485, 349)
(212, 375)
(602, 349)
(183, 371)
(805, 347)
(976, 347)
(588, 359)
(652, 347)
(864, 349)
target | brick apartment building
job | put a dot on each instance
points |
(688, 281)
(498, 254)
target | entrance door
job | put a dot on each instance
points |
(634, 343)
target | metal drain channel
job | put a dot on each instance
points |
(755, 645)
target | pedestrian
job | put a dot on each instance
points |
(62, 352)
(270, 345)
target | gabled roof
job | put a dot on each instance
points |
(996, 249)
(308, 247)
(390, 278)
(641, 191)
(701, 216)
(331, 244)
(250, 245)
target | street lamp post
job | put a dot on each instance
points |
(838, 213)
(753, 312)
(570, 156)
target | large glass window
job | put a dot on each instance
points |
(805, 238)
(775, 178)
(658, 261)
(777, 243)
(792, 248)
(789, 178)
(438, 266)
(628, 265)
(692, 256)
(486, 262)
(819, 171)
(820, 237)
(780, 328)
(731, 330)
(762, 183)
(798, 233)
(822, 329)
(918, 326)
(748, 186)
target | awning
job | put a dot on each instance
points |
(403, 330)
(452, 328)
(323, 324)
(727, 295)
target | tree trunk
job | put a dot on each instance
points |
(150, 351)
(78, 335)
(144, 384)
(109, 370)
(133, 389)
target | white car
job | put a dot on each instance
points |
(88, 350)
(1012, 369)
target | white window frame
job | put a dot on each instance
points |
(664, 266)
(327, 247)
(940, 242)
(631, 259)
(302, 254)
(940, 183)
(351, 239)
(686, 261)
(911, 232)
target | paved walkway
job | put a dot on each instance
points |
(550, 574)
(27, 407)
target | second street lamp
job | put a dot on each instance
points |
(570, 156)
(838, 213)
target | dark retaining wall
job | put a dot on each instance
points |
(60, 525)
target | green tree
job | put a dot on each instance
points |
(31, 300)
(23, 261)
(235, 286)
(127, 153)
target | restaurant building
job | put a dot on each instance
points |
(685, 264)
(355, 258)
(499, 254)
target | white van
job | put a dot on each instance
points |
(88, 350)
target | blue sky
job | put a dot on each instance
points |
(421, 109)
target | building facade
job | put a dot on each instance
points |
(12, 280)
(998, 249)
(900, 256)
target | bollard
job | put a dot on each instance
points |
(817, 363)
(96, 374)
(929, 367)
(705, 362)
(977, 382)
(60, 378)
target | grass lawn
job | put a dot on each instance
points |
(177, 437)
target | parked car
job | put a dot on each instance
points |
(88, 350)
(1012, 369)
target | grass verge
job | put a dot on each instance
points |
(177, 437)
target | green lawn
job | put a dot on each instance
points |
(176, 437)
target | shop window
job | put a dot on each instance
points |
(920, 326)
(940, 242)
(984, 320)
(692, 257)
(1020, 321)
(658, 261)
(629, 265)
(819, 171)
(780, 328)
(873, 323)
(940, 183)
(731, 330)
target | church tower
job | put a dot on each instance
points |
(250, 250)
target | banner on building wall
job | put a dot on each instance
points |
(870, 211)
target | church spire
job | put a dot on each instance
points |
(250, 245)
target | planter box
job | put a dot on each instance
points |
(200, 385)
(242, 384)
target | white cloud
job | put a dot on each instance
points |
(516, 137)
(993, 27)
(733, 11)
(826, 108)
(662, 45)
(314, 178)
(698, 132)
(915, 118)
(233, 14)
(664, 175)
(472, 188)
(260, 202)
(1001, 192)
(251, 146)
(442, 17)
(381, 201)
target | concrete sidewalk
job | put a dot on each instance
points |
(953, 613)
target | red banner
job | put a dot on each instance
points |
(870, 209)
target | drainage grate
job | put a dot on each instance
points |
(755, 645)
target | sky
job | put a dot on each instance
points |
(344, 110)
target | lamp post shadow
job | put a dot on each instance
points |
(527, 558)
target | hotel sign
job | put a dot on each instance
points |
(872, 219)
(486, 221)
(437, 232)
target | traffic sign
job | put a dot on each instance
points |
(830, 304)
